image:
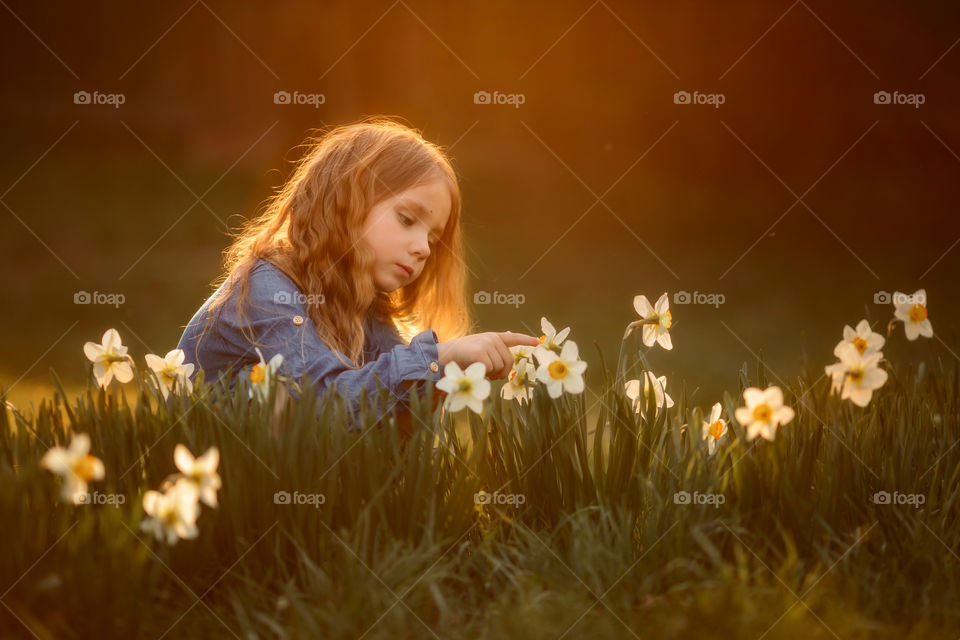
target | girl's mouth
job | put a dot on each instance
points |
(406, 270)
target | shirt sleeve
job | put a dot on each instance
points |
(278, 319)
(386, 335)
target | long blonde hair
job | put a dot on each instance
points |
(311, 230)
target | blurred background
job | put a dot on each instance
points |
(783, 163)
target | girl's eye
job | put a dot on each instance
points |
(405, 221)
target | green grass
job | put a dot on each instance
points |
(598, 548)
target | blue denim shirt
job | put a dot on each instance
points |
(276, 314)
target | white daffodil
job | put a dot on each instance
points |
(75, 466)
(913, 311)
(520, 381)
(650, 381)
(862, 338)
(764, 412)
(171, 371)
(656, 320)
(173, 513)
(465, 388)
(837, 372)
(861, 375)
(109, 359)
(202, 471)
(563, 372)
(551, 339)
(714, 428)
(263, 374)
(522, 352)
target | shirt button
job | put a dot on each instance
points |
(434, 367)
(298, 320)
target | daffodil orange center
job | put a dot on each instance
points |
(666, 320)
(860, 344)
(465, 385)
(84, 468)
(168, 515)
(257, 374)
(918, 313)
(856, 374)
(762, 412)
(557, 370)
(716, 429)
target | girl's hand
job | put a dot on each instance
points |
(490, 348)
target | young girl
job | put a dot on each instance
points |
(362, 242)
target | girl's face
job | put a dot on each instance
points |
(402, 230)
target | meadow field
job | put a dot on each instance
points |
(528, 519)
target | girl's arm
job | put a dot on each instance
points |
(281, 325)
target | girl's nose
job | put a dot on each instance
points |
(421, 248)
